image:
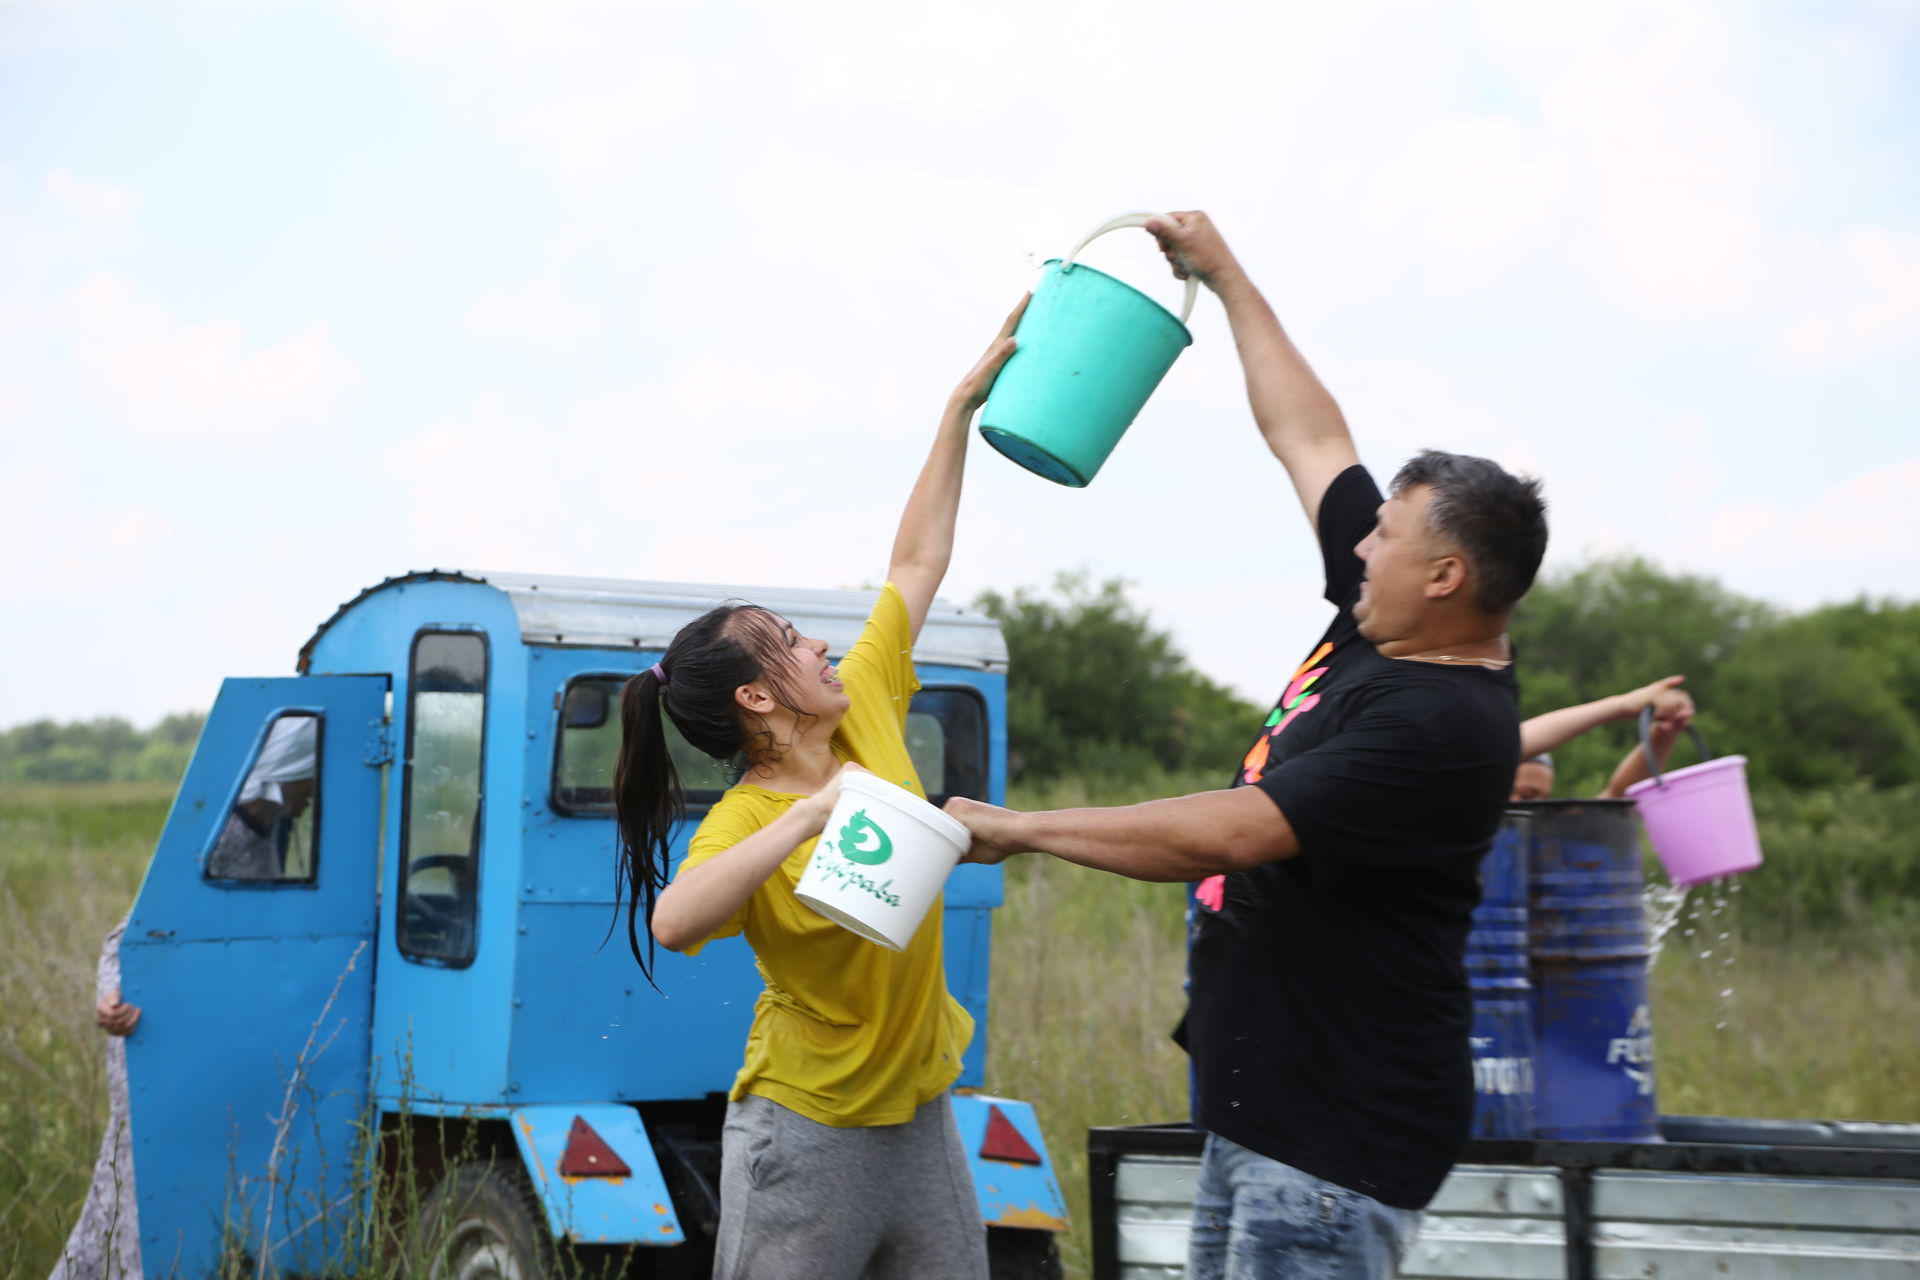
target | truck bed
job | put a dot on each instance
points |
(1718, 1197)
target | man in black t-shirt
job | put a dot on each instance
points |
(1329, 1010)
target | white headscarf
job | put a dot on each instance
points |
(287, 756)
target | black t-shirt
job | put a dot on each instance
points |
(1329, 1010)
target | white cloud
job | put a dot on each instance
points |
(1859, 535)
(101, 206)
(35, 25)
(1466, 189)
(53, 541)
(1880, 274)
(538, 316)
(158, 374)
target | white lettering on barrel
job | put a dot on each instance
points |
(1504, 1076)
(1635, 1050)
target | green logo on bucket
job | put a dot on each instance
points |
(863, 841)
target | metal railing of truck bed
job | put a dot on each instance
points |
(1752, 1199)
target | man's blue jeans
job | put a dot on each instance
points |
(1258, 1219)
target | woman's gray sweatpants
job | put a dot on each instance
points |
(801, 1200)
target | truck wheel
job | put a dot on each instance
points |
(483, 1223)
(1019, 1253)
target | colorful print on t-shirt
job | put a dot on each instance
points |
(1293, 704)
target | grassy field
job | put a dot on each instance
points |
(1824, 971)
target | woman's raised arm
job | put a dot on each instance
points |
(924, 545)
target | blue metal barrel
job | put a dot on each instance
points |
(1593, 1032)
(1502, 992)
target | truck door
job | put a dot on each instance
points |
(250, 953)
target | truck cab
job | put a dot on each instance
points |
(380, 924)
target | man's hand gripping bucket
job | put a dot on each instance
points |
(1700, 818)
(1091, 350)
(881, 861)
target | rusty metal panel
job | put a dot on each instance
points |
(1153, 1198)
(1681, 1226)
(1492, 1223)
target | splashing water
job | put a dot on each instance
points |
(1663, 904)
(1721, 933)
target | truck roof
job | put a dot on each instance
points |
(614, 613)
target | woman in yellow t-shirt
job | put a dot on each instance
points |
(839, 1156)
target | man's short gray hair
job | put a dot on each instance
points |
(1497, 521)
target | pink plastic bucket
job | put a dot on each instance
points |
(1700, 818)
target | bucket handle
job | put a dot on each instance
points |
(1120, 223)
(1646, 743)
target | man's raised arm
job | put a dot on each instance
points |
(1299, 419)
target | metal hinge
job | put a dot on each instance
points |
(379, 744)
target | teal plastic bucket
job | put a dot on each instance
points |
(1091, 350)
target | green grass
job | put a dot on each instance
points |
(1825, 976)
(70, 862)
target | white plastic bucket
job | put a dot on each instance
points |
(881, 861)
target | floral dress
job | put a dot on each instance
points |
(105, 1244)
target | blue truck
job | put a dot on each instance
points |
(396, 951)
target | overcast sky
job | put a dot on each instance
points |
(294, 297)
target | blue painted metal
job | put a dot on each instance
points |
(585, 1023)
(1011, 1195)
(255, 1000)
(442, 1034)
(545, 1016)
(629, 1210)
(1593, 1031)
(1502, 993)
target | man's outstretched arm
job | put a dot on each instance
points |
(1296, 414)
(1185, 838)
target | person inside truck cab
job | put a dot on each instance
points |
(1329, 1013)
(839, 1154)
(254, 843)
(1540, 735)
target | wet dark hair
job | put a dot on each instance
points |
(1497, 520)
(708, 660)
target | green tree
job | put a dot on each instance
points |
(108, 749)
(1828, 698)
(1825, 698)
(1094, 687)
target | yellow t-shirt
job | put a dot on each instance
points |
(848, 1033)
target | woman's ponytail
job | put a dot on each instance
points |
(693, 685)
(648, 800)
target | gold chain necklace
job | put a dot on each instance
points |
(1491, 663)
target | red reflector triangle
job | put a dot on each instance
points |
(589, 1156)
(1004, 1141)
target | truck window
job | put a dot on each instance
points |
(946, 736)
(589, 742)
(440, 828)
(269, 834)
